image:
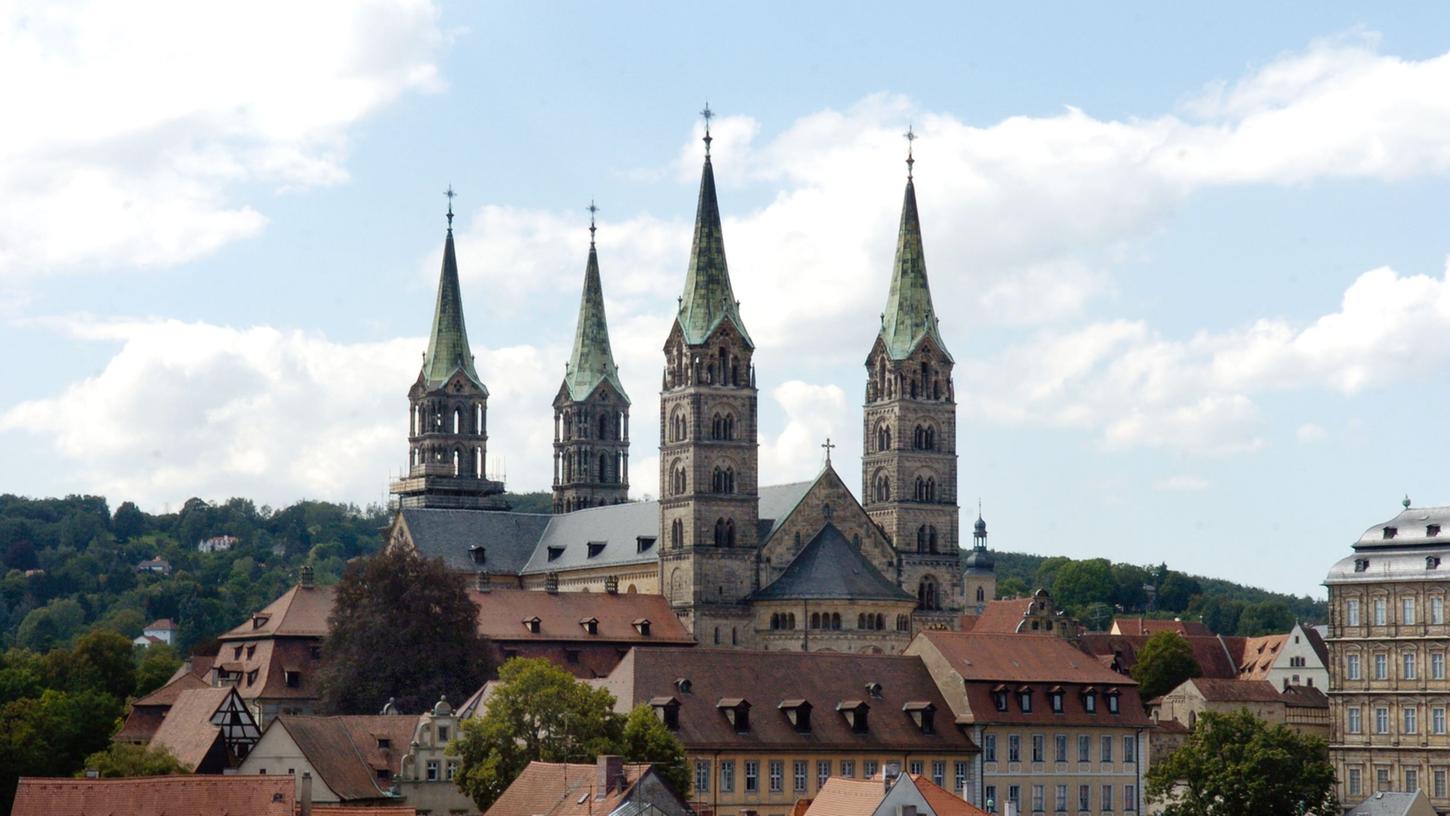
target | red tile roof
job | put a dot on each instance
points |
(156, 796)
(502, 613)
(261, 667)
(1258, 656)
(999, 617)
(1014, 658)
(299, 612)
(1152, 626)
(1217, 690)
(187, 731)
(361, 810)
(942, 801)
(847, 797)
(163, 623)
(345, 750)
(1211, 651)
(167, 694)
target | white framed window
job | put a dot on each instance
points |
(702, 775)
(1059, 804)
(848, 768)
(1351, 612)
(752, 776)
(727, 776)
(939, 772)
(1084, 748)
(1437, 720)
(959, 776)
(1437, 780)
(1379, 611)
(1412, 780)
(1407, 611)
(823, 772)
(1356, 784)
(1382, 720)
(1130, 797)
(1437, 666)
(1352, 723)
(777, 775)
(1411, 720)
(1381, 666)
(1130, 749)
(1107, 797)
(1107, 749)
(1408, 665)
(800, 771)
(1351, 666)
(1437, 610)
(1037, 799)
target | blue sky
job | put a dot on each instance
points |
(1191, 263)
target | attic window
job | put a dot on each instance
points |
(923, 714)
(384, 744)
(478, 554)
(251, 650)
(668, 710)
(258, 621)
(641, 625)
(1390, 532)
(856, 712)
(799, 714)
(683, 684)
(1113, 701)
(595, 548)
(236, 652)
(643, 543)
(1055, 696)
(737, 711)
(1024, 698)
(999, 697)
(1432, 530)
(555, 552)
(1432, 562)
(873, 689)
(591, 625)
(293, 678)
(1090, 700)
(1361, 564)
(532, 624)
(251, 677)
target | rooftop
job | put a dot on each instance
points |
(156, 796)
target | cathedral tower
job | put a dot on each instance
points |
(909, 464)
(448, 411)
(591, 410)
(708, 445)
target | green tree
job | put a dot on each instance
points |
(1233, 764)
(1265, 618)
(537, 712)
(1083, 582)
(51, 625)
(1164, 661)
(1176, 591)
(52, 734)
(130, 759)
(1012, 587)
(128, 522)
(402, 627)
(1217, 613)
(1130, 579)
(647, 739)
(102, 660)
(158, 662)
(1046, 574)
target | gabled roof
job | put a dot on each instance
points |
(502, 612)
(1304, 697)
(909, 317)
(847, 797)
(1217, 690)
(708, 298)
(558, 789)
(831, 567)
(942, 801)
(1393, 803)
(448, 350)
(1015, 658)
(167, 694)
(299, 612)
(188, 795)
(164, 624)
(187, 731)
(1151, 626)
(345, 751)
(1211, 652)
(592, 361)
(999, 617)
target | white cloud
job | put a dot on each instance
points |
(151, 116)
(812, 413)
(1182, 483)
(1310, 433)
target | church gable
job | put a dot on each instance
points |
(827, 500)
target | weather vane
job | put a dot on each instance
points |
(451, 195)
(707, 115)
(910, 136)
(592, 210)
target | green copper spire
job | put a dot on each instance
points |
(708, 298)
(448, 345)
(909, 316)
(592, 361)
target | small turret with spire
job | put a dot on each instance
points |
(591, 409)
(448, 409)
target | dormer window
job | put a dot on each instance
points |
(799, 714)
(591, 625)
(1090, 700)
(596, 547)
(1432, 530)
(251, 650)
(737, 711)
(641, 625)
(923, 714)
(258, 621)
(668, 710)
(1055, 698)
(1024, 699)
(555, 552)
(683, 684)
(873, 689)
(855, 712)
(1113, 701)
(1390, 532)
(1361, 564)
(999, 698)
(477, 554)
(236, 652)
(532, 625)
(385, 744)
(643, 543)
(1432, 562)
(293, 679)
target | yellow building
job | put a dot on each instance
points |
(765, 729)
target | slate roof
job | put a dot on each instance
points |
(298, 612)
(558, 789)
(1411, 528)
(345, 752)
(188, 795)
(187, 731)
(448, 342)
(508, 538)
(909, 317)
(831, 567)
(708, 298)
(592, 361)
(765, 679)
(503, 611)
(1392, 803)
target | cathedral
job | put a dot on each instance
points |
(800, 566)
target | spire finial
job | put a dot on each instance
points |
(1406, 501)
(451, 195)
(592, 210)
(828, 445)
(910, 136)
(707, 115)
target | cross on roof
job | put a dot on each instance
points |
(910, 136)
(451, 195)
(707, 115)
(828, 445)
(592, 210)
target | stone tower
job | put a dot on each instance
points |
(979, 577)
(448, 412)
(591, 410)
(708, 445)
(909, 464)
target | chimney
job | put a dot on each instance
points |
(609, 774)
(481, 582)
(305, 806)
(305, 577)
(611, 585)
(551, 582)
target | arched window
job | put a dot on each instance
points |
(719, 532)
(931, 538)
(930, 489)
(717, 427)
(729, 426)
(792, 621)
(880, 621)
(730, 533)
(981, 594)
(883, 487)
(677, 534)
(815, 620)
(478, 418)
(478, 462)
(921, 538)
(920, 492)
(717, 636)
(603, 467)
(457, 420)
(928, 594)
(931, 438)
(883, 437)
(835, 620)
(903, 623)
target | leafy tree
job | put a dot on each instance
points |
(1012, 587)
(128, 522)
(20, 555)
(129, 759)
(158, 662)
(102, 660)
(1176, 591)
(1046, 574)
(647, 739)
(1097, 617)
(1164, 661)
(51, 735)
(1233, 764)
(538, 712)
(1083, 582)
(1217, 613)
(1265, 618)
(402, 627)
(51, 625)
(1130, 579)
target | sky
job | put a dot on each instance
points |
(1191, 262)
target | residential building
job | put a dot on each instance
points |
(1152, 626)
(1388, 640)
(158, 565)
(609, 787)
(1216, 655)
(1197, 695)
(215, 544)
(1297, 658)
(350, 759)
(426, 774)
(158, 631)
(274, 658)
(764, 729)
(148, 712)
(1058, 730)
(894, 794)
(208, 730)
(188, 795)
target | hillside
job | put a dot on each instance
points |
(71, 564)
